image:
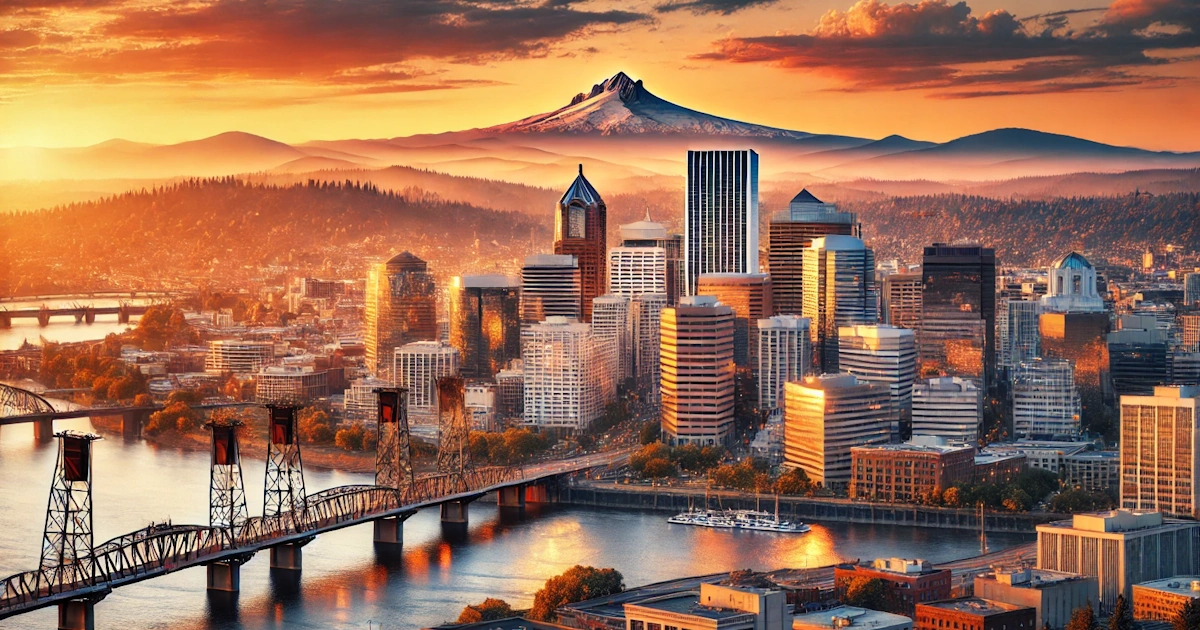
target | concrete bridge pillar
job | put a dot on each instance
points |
(287, 556)
(132, 422)
(89, 315)
(5, 320)
(390, 530)
(123, 314)
(226, 576)
(455, 512)
(78, 317)
(545, 492)
(511, 497)
(77, 614)
(43, 430)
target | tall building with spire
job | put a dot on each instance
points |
(580, 228)
(401, 307)
(793, 230)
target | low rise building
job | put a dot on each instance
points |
(290, 384)
(909, 582)
(974, 613)
(714, 607)
(850, 618)
(1047, 455)
(1053, 595)
(1163, 599)
(904, 472)
(997, 468)
(1094, 471)
(480, 403)
(238, 357)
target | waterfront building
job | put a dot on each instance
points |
(479, 401)
(1162, 600)
(1053, 595)
(749, 295)
(510, 392)
(827, 415)
(238, 357)
(1119, 548)
(784, 354)
(417, 367)
(948, 407)
(565, 384)
(1081, 339)
(910, 582)
(613, 332)
(550, 286)
(902, 300)
(904, 473)
(1045, 401)
(1094, 471)
(290, 384)
(1072, 287)
(645, 313)
(998, 468)
(581, 230)
(633, 271)
(697, 372)
(886, 356)
(1160, 451)
(400, 307)
(485, 323)
(850, 618)
(974, 613)
(720, 214)
(839, 290)
(650, 234)
(1049, 455)
(958, 312)
(1191, 289)
(1018, 322)
(716, 606)
(1138, 356)
(789, 234)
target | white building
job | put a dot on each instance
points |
(613, 332)
(827, 415)
(238, 357)
(887, 356)
(290, 384)
(645, 313)
(361, 402)
(566, 386)
(633, 271)
(1072, 287)
(949, 407)
(850, 618)
(417, 366)
(839, 290)
(1045, 401)
(1020, 338)
(479, 400)
(1160, 451)
(784, 354)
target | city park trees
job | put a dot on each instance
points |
(577, 584)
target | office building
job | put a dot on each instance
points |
(1185, 368)
(650, 234)
(479, 402)
(1052, 595)
(417, 367)
(645, 313)
(720, 214)
(902, 300)
(1138, 356)
(850, 618)
(400, 307)
(550, 287)
(784, 354)
(1045, 401)
(958, 312)
(749, 295)
(907, 472)
(790, 233)
(1191, 289)
(827, 415)
(485, 323)
(974, 613)
(633, 271)
(697, 372)
(887, 356)
(910, 582)
(1160, 451)
(1049, 455)
(1119, 548)
(1164, 599)
(290, 384)
(227, 356)
(998, 468)
(1080, 338)
(1094, 471)
(947, 407)
(1189, 331)
(839, 290)
(715, 607)
(1018, 322)
(581, 230)
(510, 392)
(613, 333)
(1072, 287)
(565, 383)
(360, 401)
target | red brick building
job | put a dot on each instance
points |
(909, 582)
(902, 472)
(973, 613)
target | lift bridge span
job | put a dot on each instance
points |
(75, 574)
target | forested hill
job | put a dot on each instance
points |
(226, 229)
(1030, 232)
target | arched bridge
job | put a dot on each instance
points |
(15, 401)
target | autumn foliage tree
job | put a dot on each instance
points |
(491, 609)
(577, 584)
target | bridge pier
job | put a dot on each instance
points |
(545, 492)
(78, 317)
(455, 512)
(43, 430)
(287, 556)
(77, 614)
(511, 497)
(89, 315)
(390, 530)
(123, 314)
(226, 576)
(5, 320)
(132, 422)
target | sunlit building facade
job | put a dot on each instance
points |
(1160, 451)
(947, 407)
(827, 415)
(565, 383)
(839, 290)
(400, 307)
(902, 300)
(581, 230)
(697, 372)
(613, 334)
(651, 234)
(749, 295)
(887, 356)
(1017, 321)
(784, 355)
(417, 367)
(1046, 403)
(720, 214)
(485, 323)
(789, 234)
(958, 312)
(550, 287)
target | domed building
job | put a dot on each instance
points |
(1072, 287)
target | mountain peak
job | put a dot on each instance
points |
(625, 87)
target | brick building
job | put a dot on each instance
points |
(909, 582)
(973, 613)
(903, 472)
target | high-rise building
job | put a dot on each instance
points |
(510, 392)
(1160, 451)
(958, 312)
(1191, 289)
(784, 354)
(902, 300)
(550, 286)
(697, 372)
(418, 366)
(645, 311)
(566, 386)
(1138, 356)
(886, 356)
(581, 230)
(839, 290)
(720, 214)
(485, 323)
(401, 307)
(947, 407)
(1189, 331)
(1017, 321)
(637, 270)
(1046, 403)
(827, 415)
(1081, 339)
(749, 295)
(648, 234)
(790, 233)
(613, 334)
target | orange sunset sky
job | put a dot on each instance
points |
(78, 72)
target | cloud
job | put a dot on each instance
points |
(701, 7)
(941, 46)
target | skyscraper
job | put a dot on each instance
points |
(418, 366)
(613, 332)
(550, 286)
(566, 385)
(636, 270)
(1081, 339)
(645, 311)
(749, 295)
(839, 290)
(886, 356)
(784, 354)
(697, 372)
(1138, 356)
(1045, 401)
(827, 415)
(791, 232)
(1191, 289)
(401, 307)
(485, 323)
(958, 312)
(1160, 450)
(580, 230)
(1019, 337)
(647, 233)
(902, 300)
(1189, 332)
(948, 407)
(720, 214)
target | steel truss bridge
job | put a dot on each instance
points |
(75, 574)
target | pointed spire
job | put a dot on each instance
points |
(648, 219)
(581, 170)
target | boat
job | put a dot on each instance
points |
(751, 520)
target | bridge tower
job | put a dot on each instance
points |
(67, 553)
(284, 499)
(453, 457)
(226, 500)
(393, 459)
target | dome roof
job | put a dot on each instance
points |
(581, 190)
(644, 230)
(1073, 260)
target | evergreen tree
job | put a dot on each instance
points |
(1083, 619)
(1188, 617)
(1122, 615)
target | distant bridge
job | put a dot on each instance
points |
(81, 312)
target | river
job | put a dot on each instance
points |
(347, 584)
(62, 329)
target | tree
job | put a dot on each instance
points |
(1083, 619)
(176, 416)
(491, 609)
(577, 584)
(351, 438)
(315, 425)
(794, 481)
(657, 450)
(1122, 615)
(650, 433)
(865, 592)
(658, 468)
(1188, 617)
(143, 400)
(1072, 501)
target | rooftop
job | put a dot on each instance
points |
(487, 282)
(785, 321)
(975, 606)
(581, 190)
(1186, 585)
(1118, 521)
(688, 603)
(838, 242)
(551, 260)
(1073, 260)
(805, 197)
(1030, 578)
(857, 618)
(910, 447)
(643, 230)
